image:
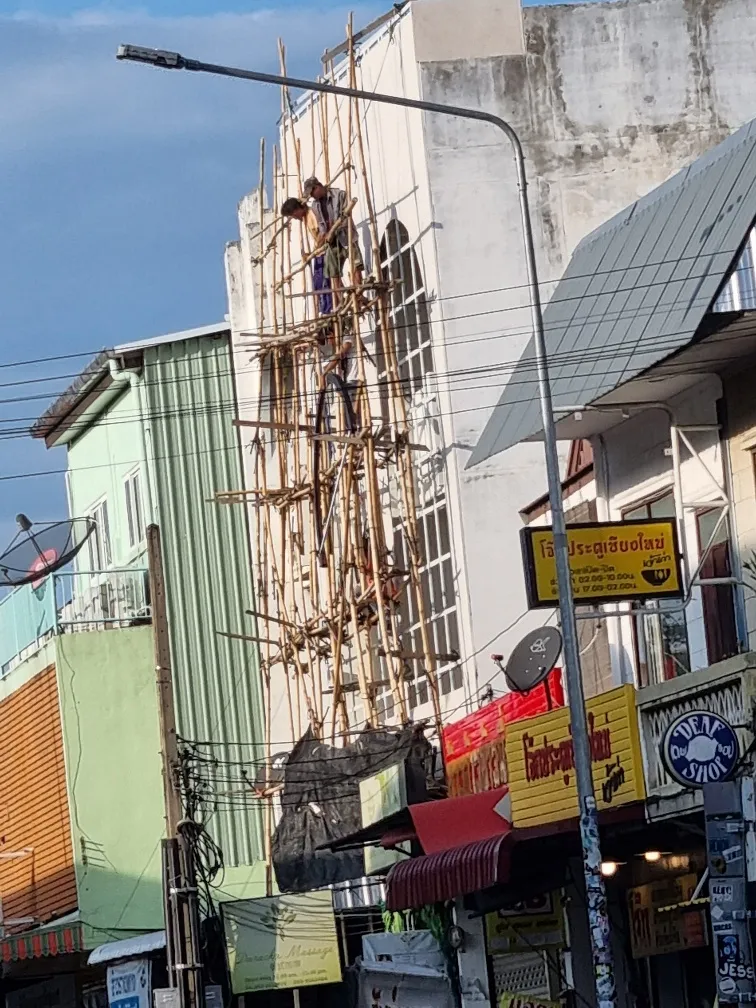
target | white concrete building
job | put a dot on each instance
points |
(610, 99)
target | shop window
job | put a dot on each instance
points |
(661, 634)
(718, 600)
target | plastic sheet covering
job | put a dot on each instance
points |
(320, 802)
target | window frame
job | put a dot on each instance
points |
(138, 499)
(409, 307)
(104, 562)
(629, 513)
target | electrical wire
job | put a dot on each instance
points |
(486, 292)
(483, 336)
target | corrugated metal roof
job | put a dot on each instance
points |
(636, 289)
(97, 367)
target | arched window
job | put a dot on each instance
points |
(408, 309)
(412, 336)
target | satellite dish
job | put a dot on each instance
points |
(533, 658)
(39, 550)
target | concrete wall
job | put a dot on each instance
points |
(98, 462)
(609, 99)
(112, 745)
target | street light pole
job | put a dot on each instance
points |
(598, 917)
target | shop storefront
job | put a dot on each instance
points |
(518, 892)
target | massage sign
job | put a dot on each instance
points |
(541, 760)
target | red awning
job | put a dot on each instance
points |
(456, 822)
(42, 942)
(450, 873)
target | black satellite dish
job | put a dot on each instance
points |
(533, 658)
(39, 550)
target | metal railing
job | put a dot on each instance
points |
(95, 600)
(70, 602)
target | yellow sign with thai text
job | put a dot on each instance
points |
(609, 562)
(282, 942)
(525, 1001)
(541, 764)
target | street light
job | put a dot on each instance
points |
(598, 918)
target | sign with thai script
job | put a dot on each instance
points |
(474, 747)
(281, 942)
(700, 747)
(129, 984)
(609, 562)
(656, 931)
(525, 1001)
(541, 762)
(523, 927)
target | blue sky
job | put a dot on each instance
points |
(119, 185)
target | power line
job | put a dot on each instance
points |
(455, 297)
(610, 351)
(493, 334)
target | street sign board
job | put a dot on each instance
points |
(609, 562)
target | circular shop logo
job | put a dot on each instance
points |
(700, 748)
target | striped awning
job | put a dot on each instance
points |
(42, 943)
(450, 873)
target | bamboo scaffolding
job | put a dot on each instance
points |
(330, 592)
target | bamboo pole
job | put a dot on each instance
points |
(407, 478)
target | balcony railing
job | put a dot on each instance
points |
(98, 600)
(70, 602)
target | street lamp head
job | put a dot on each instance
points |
(157, 57)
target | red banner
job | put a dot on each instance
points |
(474, 747)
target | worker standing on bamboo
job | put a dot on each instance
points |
(329, 206)
(327, 222)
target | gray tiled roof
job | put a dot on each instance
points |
(636, 289)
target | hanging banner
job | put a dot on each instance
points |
(609, 562)
(281, 942)
(523, 927)
(656, 931)
(541, 762)
(129, 984)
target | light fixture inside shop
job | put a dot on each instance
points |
(609, 868)
(653, 855)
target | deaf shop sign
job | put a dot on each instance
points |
(129, 984)
(700, 747)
